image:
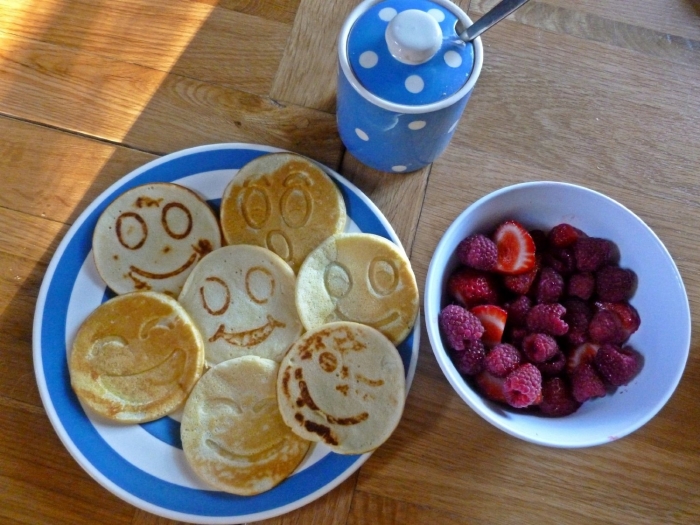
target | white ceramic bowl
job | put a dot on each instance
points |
(663, 337)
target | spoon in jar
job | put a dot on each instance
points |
(495, 15)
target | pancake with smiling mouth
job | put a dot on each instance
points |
(362, 278)
(233, 435)
(136, 357)
(151, 237)
(241, 298)
(343, 385)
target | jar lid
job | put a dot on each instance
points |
(408, 52)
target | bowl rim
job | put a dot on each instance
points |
(432, 305)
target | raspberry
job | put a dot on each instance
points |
(584, 353)
(550, 286)
(517, 310)
(458, 325)
(626, 314)
(553, 366)
(586, 383)
(523, 386)
(478, 251)
(539, 237)
(563, 235)
(502, 359)
(614, 284)
(561, 259)
(591, 253)
(539, 347)
(617, 365)
(522, 282)
(578, 316)
(473, 287)
(470, 361)
(516, 334)
(605, 327)
(557, 399)
(490, 386)
(546, 318)
(581, 285)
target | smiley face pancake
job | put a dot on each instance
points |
(343, 385)
(242, 300)
(232, 432)
(358, 277)
(152, 236)
(136, 357)
(282, 202)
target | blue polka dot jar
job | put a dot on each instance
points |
(403, 82)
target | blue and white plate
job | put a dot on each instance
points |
(144, 464)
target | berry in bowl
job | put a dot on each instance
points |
(557, 314)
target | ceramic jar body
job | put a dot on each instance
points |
(394, 115)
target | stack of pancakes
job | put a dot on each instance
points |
(270, 326)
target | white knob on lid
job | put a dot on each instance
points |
(413, 37)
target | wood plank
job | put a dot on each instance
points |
(278, 10)
(369, 508)
(676, 38)
(187, 38)
(307, 72)
(40, 481)
(398, 196)
(67, 172)
(134, 105)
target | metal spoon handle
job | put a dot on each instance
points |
(498, 13)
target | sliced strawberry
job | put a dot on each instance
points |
(580, 355)
(491, 386)
(516, 248)
(493, 319)
(628, 315)
(472, 287)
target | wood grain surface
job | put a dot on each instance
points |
(595, 92)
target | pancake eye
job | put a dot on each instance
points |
(328, 362)
(176, 220)
(255, 206)
(215, 295)
(259, 284)
(296, 203)
(226, 406)
(337, 280)
(383, 276)
(131, 230)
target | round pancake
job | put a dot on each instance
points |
(242, 300)
(283, 202)
(232, 432)
(342, 384)
(136, 357)
(358, 277)
(150, 238)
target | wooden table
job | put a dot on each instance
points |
(595, 92)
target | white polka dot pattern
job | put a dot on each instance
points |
(415, 84)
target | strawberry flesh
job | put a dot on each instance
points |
(516, 248)
(493, 319)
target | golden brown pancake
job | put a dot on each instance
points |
(283, 202)
(342, 384)
(136, 357)
(232, 433)
(152, 236)
(242, 300)
(358, 277)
